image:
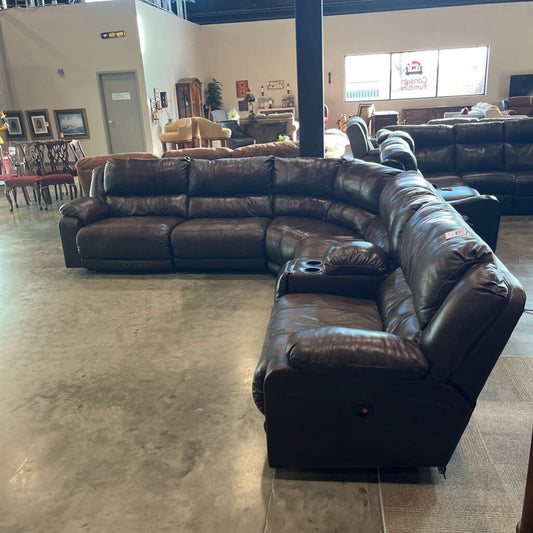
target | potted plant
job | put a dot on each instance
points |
(213, 95)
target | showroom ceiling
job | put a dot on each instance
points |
(222, 11)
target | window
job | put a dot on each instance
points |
(367, 77)
(462, 71)
(422, 74)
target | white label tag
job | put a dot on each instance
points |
(121, 96)
(451, 234)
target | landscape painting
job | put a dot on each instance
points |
(72, 123)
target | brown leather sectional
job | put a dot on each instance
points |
(494, 158)
(390, 312)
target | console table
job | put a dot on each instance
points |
(422, 115)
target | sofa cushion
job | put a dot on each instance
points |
(310, 177)
(278, 149)
(299, 312)
(230, 188)
(479, 147)
(220, 238)
(133, 177)
(399, 202)
(200, 153)
(360, 184)
(436, 249)
(491, 182)
(285, 233)
(146, 187)
(127, 238)
(518, 145)
(395, 303)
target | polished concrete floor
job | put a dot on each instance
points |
(125, 400)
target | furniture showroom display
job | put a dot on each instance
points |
(390, 311)
(493, 157)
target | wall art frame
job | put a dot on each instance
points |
(72, 123)
(39, 124)
(16, 129)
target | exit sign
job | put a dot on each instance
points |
(113, 34)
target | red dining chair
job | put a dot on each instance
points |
(21, 176)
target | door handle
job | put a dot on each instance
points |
(110, 121)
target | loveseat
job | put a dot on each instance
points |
(495, 158)
(390, 311)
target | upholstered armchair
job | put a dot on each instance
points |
(206, 132)
(178, 134)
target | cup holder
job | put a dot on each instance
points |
(313, 269)
(313, 262)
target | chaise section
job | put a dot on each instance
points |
(294, 313)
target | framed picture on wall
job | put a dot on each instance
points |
(15, 126)
(242, 88)
(72, 123)
(39, 124)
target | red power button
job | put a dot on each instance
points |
(363, 409)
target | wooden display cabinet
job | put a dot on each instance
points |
(189, 96)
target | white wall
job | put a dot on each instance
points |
(38, 41)
(171, 48)
(163, 48)
(265, 50)
(253, 51)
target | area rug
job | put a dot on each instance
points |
(486, 476)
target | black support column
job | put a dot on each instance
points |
(309, 55)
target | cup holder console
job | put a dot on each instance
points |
(313, 269)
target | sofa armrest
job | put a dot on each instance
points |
(395, 152)
(483, 214)
(309, 276)
(355, 257)
(86, 209)
(343, 351)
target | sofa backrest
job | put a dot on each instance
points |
(458, 288)
(140, 187)
(518, 144)
(341, 192)
(230, 188)
(479, 147)
(304, 186)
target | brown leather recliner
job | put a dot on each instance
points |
(351, 378)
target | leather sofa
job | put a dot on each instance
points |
(495, 158)
(390, 311)
(187, 213)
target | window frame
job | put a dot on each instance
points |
(438, 50)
